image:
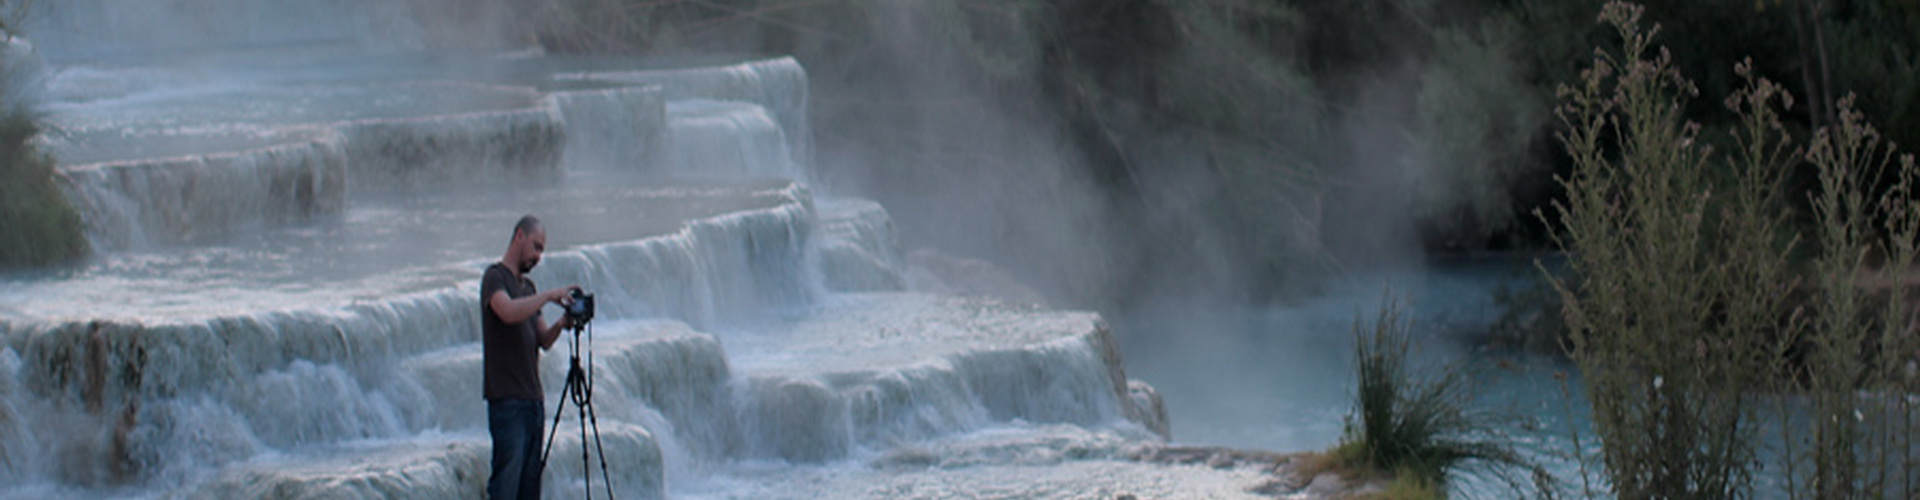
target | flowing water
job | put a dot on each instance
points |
(290, 219)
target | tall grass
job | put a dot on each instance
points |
(1686, 302)
(1857, 374)
(1674, 274)
(1415, 424)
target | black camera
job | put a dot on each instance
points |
(580, 311)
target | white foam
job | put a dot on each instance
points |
(728, 139)
(620, 127)
(858, 250)
(779, 85)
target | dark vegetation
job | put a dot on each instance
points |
(1716, 307)
(38, 225)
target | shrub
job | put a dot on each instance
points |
(1685, 303)
(38, 225)
(1675, 275)
(1418, 426)
(1861, 346)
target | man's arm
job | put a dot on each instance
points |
(511, 310)
(549, 334)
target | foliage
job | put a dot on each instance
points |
(1685, 303)
(1418, 425)
(1674, 279)
(1860, 445)
(38, 225)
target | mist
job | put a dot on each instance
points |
(1139, 153)
(1106, 153)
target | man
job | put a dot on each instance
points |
(512, 336)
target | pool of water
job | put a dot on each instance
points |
(1282, 378)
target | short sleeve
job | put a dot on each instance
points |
(495, 280)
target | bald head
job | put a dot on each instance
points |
(527, 225)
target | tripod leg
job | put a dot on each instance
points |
(605, 477)
(586, 463)
(557, 410)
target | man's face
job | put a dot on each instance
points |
(532, 244)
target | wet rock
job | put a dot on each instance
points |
(1148, 409)
(1275, 487)
(1326, 485)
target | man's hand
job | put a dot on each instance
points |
(562, 295)
(550, 333)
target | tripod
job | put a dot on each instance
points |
(579, 389)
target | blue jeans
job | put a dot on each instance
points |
(516, 426)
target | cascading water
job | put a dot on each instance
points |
(291, 229)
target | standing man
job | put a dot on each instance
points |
(512, 334)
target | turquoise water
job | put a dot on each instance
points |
(1281, 378)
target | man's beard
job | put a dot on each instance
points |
(526, 265)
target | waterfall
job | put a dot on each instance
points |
(285, 296)
(176, 199)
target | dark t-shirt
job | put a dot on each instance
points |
(512, 351)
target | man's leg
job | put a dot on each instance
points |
(530, 474)
(506, 420)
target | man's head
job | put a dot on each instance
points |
(529, 241)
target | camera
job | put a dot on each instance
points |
(580, 311)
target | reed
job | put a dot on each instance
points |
(1690, 298)
(1419, 425)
